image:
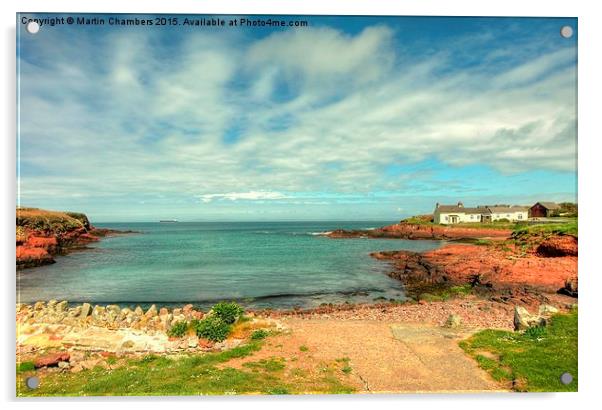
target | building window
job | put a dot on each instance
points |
(520, 216)
(446, 218)
(471, 216)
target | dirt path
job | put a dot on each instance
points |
(383, 356)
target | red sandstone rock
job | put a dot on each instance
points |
(51, 360)
(458, 264)
(417, 231)
(42, 242)
(561, 245)
(206, 343)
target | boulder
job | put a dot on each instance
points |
(151, 312)
(570, 288)
(51, 360)
(547, 310)
(86, 310)
(75, 312)
(62, 306)
(163, 311)
(453, 321)
(52, 303)
(193, 342)
(138, 311)
(38, 306)
(524, 320)
(115, 309)
(98, 312)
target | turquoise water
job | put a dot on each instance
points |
(268, 264)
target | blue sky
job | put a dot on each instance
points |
(365, 118)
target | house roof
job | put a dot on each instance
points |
(549, 205)
(482, 209)
(460, 209)
(507, 209)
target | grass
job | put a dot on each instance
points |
(442, 292)
(565, 228)
(530, 361)
(53, 221)
(206, 374)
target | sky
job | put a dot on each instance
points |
(349, 118)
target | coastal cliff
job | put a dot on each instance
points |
(43, 234)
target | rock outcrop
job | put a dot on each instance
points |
(505, 274)
(523, 320)
(559, 245)
(41, 235)
(422, 231)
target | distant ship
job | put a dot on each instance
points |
(168, 220)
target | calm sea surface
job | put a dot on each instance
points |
(260, 264)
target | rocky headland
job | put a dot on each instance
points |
(41, 235)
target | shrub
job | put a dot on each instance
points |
(259, 334)
(213, 328)
(535, 332)
(227, 312)
(25, 367)
(178, 329)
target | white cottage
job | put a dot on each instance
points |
(453, 214)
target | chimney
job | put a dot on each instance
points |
(460, 204)
(437, 205)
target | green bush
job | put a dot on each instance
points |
(25, 367)
(178, 329)
(213, 328)
(259, 334)
(535, 332)
(227, 312)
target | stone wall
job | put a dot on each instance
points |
(109, 316)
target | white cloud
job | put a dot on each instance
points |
(127, 116)
(247, 196)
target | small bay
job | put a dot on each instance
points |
(260, 264)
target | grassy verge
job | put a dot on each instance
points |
(207, 374)
(565, 228)
(52, 221)
(530, 361)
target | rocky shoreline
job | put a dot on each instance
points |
(404, 230)
(500, 268)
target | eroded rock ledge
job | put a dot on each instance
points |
(503, 274)
(418, 231)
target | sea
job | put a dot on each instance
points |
(278, 265)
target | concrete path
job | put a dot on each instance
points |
(394, 357)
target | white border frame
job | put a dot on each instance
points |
(590, 28)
